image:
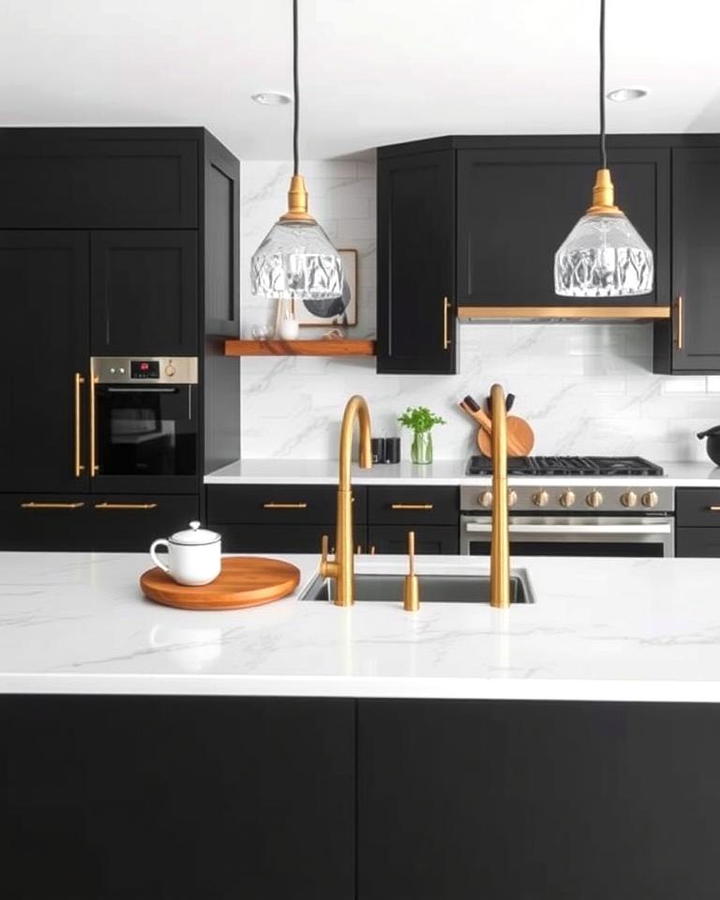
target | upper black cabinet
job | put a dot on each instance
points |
(81, 178)
(416, 283)
(517, 206)
(144, 293)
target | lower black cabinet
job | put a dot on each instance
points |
(698, 542)
(537, 801)
(239, 538)
(429, 539)
(177, 798)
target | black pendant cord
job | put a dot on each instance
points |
(603, 150)
(296, 90)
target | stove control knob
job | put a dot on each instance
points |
(594, 499)
(567, 498)
(629, 499)
(169, 370)
(512, 497)
(541, 498)
(650, 499)
(485, 499)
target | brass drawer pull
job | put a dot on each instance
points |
(285, 506)
(125, 505)
(713, 509)
(680, 324)
(79, 467)
(412, 506)
(33, 505)
(447, 306)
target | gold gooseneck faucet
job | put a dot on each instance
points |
(342, 569)
(500, 542)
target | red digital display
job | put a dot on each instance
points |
(144, 368)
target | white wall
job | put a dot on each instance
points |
(584, 388)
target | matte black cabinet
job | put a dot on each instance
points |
(429, 539)
(537, 801)
(416, 272)
(141, 798)
(697, 519)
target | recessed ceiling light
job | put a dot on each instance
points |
(271, 98)
(622, 95)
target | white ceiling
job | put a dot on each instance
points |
(373, 71)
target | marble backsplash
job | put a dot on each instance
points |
(585, 388)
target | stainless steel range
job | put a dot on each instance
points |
(574, 506)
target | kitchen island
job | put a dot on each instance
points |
(566, 748)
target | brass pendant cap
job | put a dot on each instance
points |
(297, 202)
(603, 196)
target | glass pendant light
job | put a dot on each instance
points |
(603, 256)
(296, 260)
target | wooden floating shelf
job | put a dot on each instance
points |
(300, 348)
(582, 313)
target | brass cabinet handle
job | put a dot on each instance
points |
(679, 340)
(94, 467)
(412, 506)
(79, 467)
(372, 549)
(713, 509)
(285, 506)
(126, 506)
(447, 305)
(33, 505)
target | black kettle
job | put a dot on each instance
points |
(713, 443)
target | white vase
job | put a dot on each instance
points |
(288, 329)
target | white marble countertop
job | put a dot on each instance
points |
(441, 472)
(600, 630)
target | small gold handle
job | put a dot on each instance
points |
(358, 549)
(447, 305)
(94, 467)
(713, 508)
(126, 506)
(79, 467)
(411, 506)
(680, 324)
(33, 505)
(285, 506)
(372, 549)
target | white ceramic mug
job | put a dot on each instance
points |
(193, 555)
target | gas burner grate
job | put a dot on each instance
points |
(606, 466)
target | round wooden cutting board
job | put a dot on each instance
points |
(244, 581)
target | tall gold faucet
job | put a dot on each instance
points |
(342, 569)
(500, 541)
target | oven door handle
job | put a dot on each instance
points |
(140, 390)
(660, 528)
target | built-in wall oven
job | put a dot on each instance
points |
(144, 430)
(577, 520)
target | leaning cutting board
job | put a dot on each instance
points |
(520, 436)
(243, 582)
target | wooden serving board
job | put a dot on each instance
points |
(244, 581)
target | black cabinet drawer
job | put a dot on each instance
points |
(279, 504)
(63, 180)
(238, 538)
(45, 522)
(401, 505)
(698, 542)
(130, 523)
(429, 539)
(697, 507)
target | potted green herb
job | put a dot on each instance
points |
(421, 421)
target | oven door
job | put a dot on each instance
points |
(146, 438)
(573, 536)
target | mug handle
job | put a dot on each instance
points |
(160, 542)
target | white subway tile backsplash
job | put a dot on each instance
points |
(585, 388)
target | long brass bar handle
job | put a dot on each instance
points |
(412, 506)
(680, 323)
(126, 506)
(447, 306)
(285, 506)
(713, 509)
(79, 467)
(94, 467)
(33, 505)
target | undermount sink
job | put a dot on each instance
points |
(433, 588)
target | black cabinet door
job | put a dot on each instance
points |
(44, 350)
(142, 798)
(537, 801)
(697, 542)
(415, 292)
(695, 334)
(516, 207)
(429, 539)
(46, 522)
(144, 293)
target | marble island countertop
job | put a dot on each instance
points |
(440, 472)
(616, 629)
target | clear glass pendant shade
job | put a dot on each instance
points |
(603, 256)
(297, 260)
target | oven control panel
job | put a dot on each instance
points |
(144, 370)
(588, 497)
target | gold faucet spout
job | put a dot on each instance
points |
(342, 569)
(500, 539)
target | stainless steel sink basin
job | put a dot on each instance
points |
(433, 589)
